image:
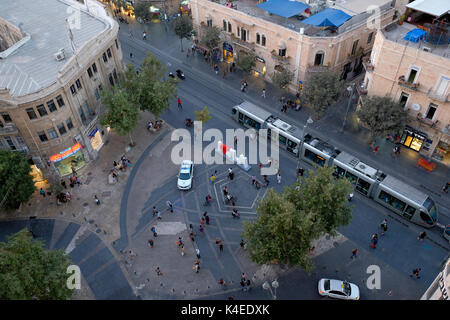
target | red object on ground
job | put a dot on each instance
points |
(427, 165)
(225, 148)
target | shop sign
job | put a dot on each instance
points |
(93, 132)
(66, 153)
(227, 47)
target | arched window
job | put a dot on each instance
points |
(258, 37)
(263, 40)
(318, 59)
(229, 27)
(224, 25)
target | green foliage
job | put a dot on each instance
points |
(282, 79)
(28, 271)
(183, 28)
(16, 183)
(321, 90)
(202, 115)
(382, 115)
(142, 10)
(211, 38)
(247, 62)
(287, 222)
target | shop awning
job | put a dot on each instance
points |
(328, 18)
(415, 35)
(284, 8)
(435, 8)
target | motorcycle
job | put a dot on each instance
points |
(179, 73)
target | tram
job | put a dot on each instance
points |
(397, 196)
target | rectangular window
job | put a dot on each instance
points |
(111, 81)
(51, 106)
(224, 25)
(209, 22)
(31, 114)
(86, 109)
(258, 38)
(41, 109)
(73, 90)
(317, 159)
(20, 140)
(97, 94)
(82, 116)
(243, 35)
(392, 201)
(109, 52)
(52, 133)
(60, 101)
(412, 75)
(89, 71)
(115, 75)
(105, 59)
(6, 117)
(62, 129)
(369, 39)
(355, 47)
(282, 52)
(10, 143)
(403, 99)
(263, 40)
(238, 32)
(431, 111)
(94, 67)
(78, 83)
(69, 124)
(229, 27)
(42, 136)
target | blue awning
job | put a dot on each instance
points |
(415, 35)
(328, 18)
(284, 8)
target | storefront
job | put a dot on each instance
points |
(96, 139)
(66, 159)
(260, 66)
(442, 152)
(414, 139)
(228, 53)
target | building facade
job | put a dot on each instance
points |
(50, 81)
(440, 288)
(417, 74)
(287, 43)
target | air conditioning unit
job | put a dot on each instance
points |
(426, 49)
(60, 55)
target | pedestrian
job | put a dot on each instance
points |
(253, 180)
(225, 191)
(216, 68)
(182, 250)
(96, 200)
(260, 167)
(153, 229)
(180, 241)
(243, 276)
(196, 267)
(169, 206)
(445, 187)
(191, 236)
(230, 172)
(374, 241)
(150, 243)
(220, 247)
(132, 254)
(197, 251)
(279, 177)
(201, 228)
(207, 219)
(218, 241)
(202, 221)
(159, 215)
(300, 172)
(131, 55)
(213, 178)
(179, 104)
(144, 35)
(415, 272)
(263, 93)
(222, 282)
(234, 66)
(422, 236)
(242, 282)
(350, 197)
(242, 243)
(42, 192)
(266, 181)
(158, 271)
(376, 149)
(63, 183)
(154, 211)
(354, 253)
(383, 226)
(78, 182)
(235, 140)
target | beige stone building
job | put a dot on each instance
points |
(292, 43)
(416, 72)
(56, 57)
(440, 288)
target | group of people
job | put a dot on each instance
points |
(154, 125)
(244, 85)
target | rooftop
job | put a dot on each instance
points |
(356, 8)
(31, 65)
(397, 33)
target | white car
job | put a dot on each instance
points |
(338, 289)
(186, 174)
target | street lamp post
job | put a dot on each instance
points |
(350, 91)
(274, 285)
(309, 121)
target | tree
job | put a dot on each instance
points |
(287, 222)
(283, 78)
(247, 62)
(321, 90)
(211, 38)
(183, 28)
(123, 113)
(29, 272)
(16, 183)
(382, 115)
(142, 10)
(202, 115)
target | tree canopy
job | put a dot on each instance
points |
(202, 115)
(16, 183)
(287, 222)
(321, 90)
(141, 10)
(211, 38)
(28, 271)
(183, 28)
(382, 115)
(283, 78)
(247, 62)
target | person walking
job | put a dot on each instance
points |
(376, 149)
(150, 243)
(415, 272)
(202, 221)
(300, 172)
(222, 282)
(279, 177)
(131, 56)
(170, 206)
(197, 252)
(153, 229)
(42, 192)
(200, 228)
(207, 219)
(445, 187)
(263, 93)
(354, 253)
(374, 241)
(253, 180)
(216, 68)
(422, 236)
(220, 247)
(383, 226)
(96, 200)
(350, 197)
(144, 35)
(158, 272)
(242, 243)
(154, 211)
(179, 104)
(159, 215)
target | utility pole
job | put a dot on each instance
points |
(351, 90)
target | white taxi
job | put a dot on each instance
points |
(338, 289)
(186, 175)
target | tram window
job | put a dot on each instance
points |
(233, 111)
(425, 217)
(392, 201)
(339, 172)
(252, 123)
(431, 207)
(292, 144)
(314, 157)
(409, 212)
(241, 116)
(351, 177)
(363, 186)
(282, 139)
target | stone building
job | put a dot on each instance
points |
(59, 55)
(411, 64)
(440, 288)
(314, 36)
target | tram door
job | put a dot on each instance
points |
(292, 146)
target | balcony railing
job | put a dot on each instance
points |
(402, 82)
(9, 129)
(368, 64)
(428, 122)
(282, 59)
(250, 45)
(436, 96)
